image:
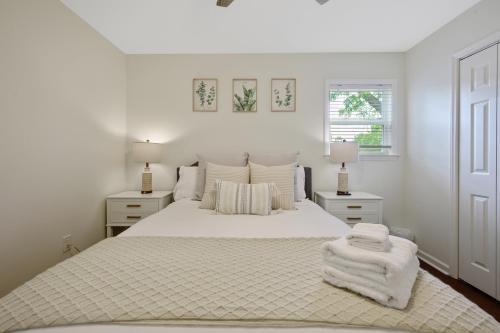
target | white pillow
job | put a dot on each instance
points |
(300, 183)
(186, 185)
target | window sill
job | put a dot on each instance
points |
(381, 157)
(386, 157)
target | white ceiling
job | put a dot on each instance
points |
(266, 26)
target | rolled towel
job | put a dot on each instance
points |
(389, 265)
(396, 295)
(369, 236)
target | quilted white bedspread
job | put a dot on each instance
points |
(221, 281)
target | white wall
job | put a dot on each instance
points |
(429, 87)
(62, 134)
(64, 92)
(159, 107)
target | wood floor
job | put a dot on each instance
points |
(486, 302)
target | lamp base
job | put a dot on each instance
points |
(343, 193)
(342, 184)
(147, 183)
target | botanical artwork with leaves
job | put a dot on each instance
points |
(205, 95)
(244, 95)
(283, 95)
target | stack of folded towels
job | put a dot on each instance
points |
(370, 262)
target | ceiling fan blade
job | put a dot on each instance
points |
(224, 3)
(321, 2)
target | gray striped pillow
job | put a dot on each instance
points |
(232, 198)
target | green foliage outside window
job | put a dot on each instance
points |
(372, 138)
(362, 105)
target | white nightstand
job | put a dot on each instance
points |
(352, 209)
(126, 208)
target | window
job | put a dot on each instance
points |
(362, 112)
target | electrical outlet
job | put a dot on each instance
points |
(66, 243)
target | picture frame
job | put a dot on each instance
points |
(244, 97)
(205, 95)
(283, 95)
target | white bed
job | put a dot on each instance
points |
(185, 219)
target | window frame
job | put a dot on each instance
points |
(395, 123)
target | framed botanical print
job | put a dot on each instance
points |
(283, 93)
(205, 95)
(244, 95)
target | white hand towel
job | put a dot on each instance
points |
(392, 263)
(396, 295)
(369, 236)
(376, 227)
(383, 246)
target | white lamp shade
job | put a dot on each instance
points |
(146, 152)
(341, 152)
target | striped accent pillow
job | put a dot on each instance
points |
(229, 173)
(281, 175)
(233, 198)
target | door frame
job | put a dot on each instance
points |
(455, 136)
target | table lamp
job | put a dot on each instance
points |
(343, 152)
(147, 152)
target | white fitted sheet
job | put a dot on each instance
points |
(185, 219)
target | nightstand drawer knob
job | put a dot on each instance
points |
(133, 206)
(355, 207)
(133, 217)
(354, 218)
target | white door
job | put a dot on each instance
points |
(498, 175)
(477, 170)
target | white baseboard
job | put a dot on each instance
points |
(434, 262)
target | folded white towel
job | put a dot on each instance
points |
(356, 269)
(386, 277)
(396, 295)
(391, 265)
(369, 236)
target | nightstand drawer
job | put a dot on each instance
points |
(133, 206)
(128, 217)
(338, 206)
(354, 218)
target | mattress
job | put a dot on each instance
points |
(185, 219)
